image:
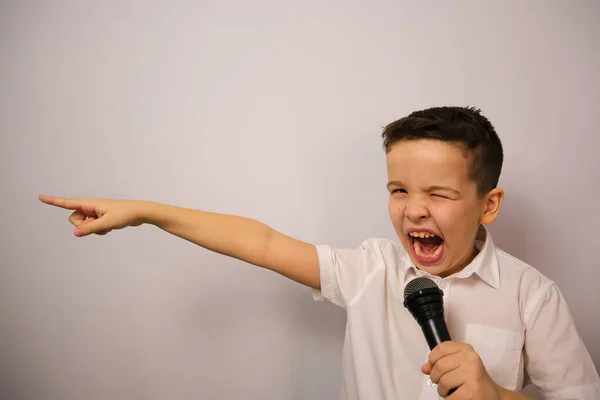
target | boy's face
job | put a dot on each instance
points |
(431, 195)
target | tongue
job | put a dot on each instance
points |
(429, 244)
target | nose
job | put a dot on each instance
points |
(416, 210)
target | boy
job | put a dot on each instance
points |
(509, 324)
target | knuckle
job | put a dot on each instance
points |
(438, 351)
(473, 356)
(431, 357)
(440, 391)
(443, 381)
(443, 387)
(441, 364)
(445, 345)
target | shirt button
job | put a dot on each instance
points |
(442, 285)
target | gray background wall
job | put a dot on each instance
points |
(271, 110)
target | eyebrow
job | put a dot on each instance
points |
(429, 189)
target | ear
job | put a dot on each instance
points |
(491, 205)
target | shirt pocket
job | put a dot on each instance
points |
(500, 350)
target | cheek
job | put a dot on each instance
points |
(449, 220)
(395, 210)
(456, 223)
(396, 215)
(444, 214)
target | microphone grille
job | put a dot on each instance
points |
(418, 284)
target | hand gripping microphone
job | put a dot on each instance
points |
(423, 298)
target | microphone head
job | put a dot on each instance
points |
(423, 298)
(418, 284)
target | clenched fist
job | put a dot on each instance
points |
(457, 365)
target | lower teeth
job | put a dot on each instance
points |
(420, 253)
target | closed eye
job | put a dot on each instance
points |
(439, 195)
(398, 191)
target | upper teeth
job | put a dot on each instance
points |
(421, 234)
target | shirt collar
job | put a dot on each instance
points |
(484, 265)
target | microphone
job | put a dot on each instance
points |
(423, 298)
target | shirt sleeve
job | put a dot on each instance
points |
(345, 273)
(558, 363)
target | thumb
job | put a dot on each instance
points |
(426, 368)
(93, 226)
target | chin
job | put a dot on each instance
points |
(439, 268)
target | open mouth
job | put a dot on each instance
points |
(426, 247)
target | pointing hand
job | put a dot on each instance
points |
(98, 216)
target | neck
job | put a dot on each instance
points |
(463, 264)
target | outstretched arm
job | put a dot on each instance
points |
(234, 236)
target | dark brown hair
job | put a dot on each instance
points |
(463, 126)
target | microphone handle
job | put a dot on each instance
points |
(436, 332)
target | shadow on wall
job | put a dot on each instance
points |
(514, 231)
(281, 324)
(320, 329)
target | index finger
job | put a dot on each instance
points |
(69, 204)
(443, 349)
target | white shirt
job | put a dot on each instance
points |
(516, 319)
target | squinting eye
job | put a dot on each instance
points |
(439, 195)
(398, 191)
